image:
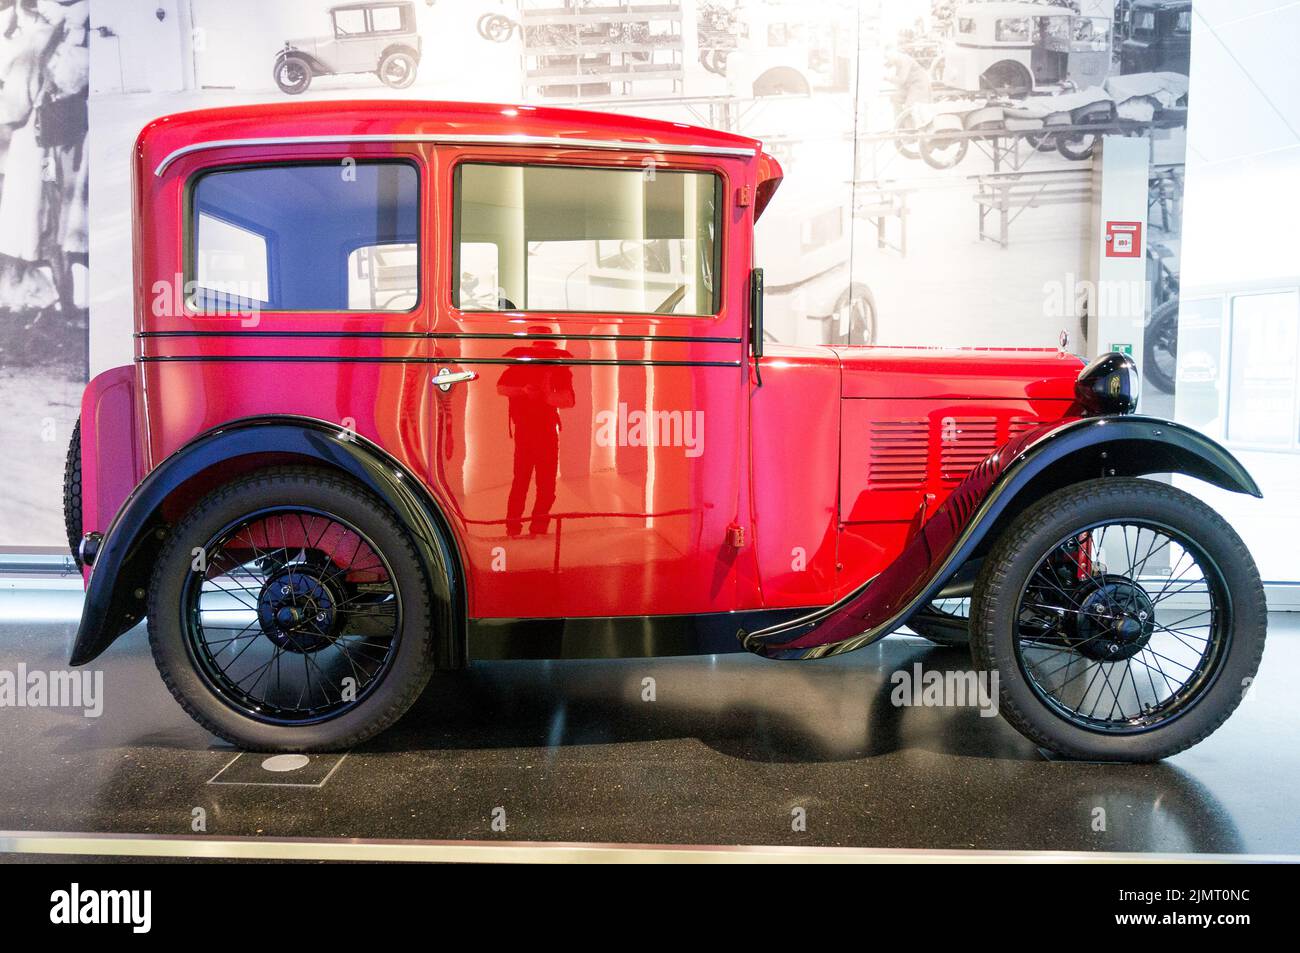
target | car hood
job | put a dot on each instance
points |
(306, 44)
(958, 373)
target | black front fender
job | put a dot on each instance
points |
(116, 595)
(1026, 469)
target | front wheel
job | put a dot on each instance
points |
(293, 75)
(289, 612)
(1124, 620)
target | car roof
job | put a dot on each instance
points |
(168, 138)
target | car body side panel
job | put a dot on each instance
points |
(794, 476)
(111, 463)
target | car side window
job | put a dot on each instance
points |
(386, 20)
(546, 238)
(349, 22)
(318, 237)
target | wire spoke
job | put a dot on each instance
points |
(1076, 604)
(295, 570)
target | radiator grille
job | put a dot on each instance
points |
(963, 443)
(1019, 425)
(897, 454)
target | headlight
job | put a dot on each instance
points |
(1109, 385)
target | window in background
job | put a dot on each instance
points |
(1264, 349)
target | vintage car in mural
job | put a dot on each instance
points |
(378, 37)
(1159, 37)
(1014, 49)
(396, 406)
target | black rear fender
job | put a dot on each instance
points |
(116, 594)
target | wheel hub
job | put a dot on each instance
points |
(1115, 620)
(297, 610)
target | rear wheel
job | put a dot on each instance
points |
(854, 318)
(1007, 78)
(289, 612)
(398, 68)
(1078, 146)
(1160, 347)
(72, 493)
(1124, 619)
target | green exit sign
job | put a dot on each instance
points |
(1123, 348)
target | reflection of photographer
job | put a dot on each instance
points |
(44, 77)
(536, 392)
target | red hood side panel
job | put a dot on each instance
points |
(958, 373)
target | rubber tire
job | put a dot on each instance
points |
(412, 69)
(930, 152)
(866, 332)
(1007, 78)
(1067, 149)
(1151, 371)
(398, 688)
(72, 493)
(294, 90)
(1016, 554)
(940, 627)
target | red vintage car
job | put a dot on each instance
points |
(422, 383)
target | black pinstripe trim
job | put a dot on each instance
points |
(443, 335)
(317, 359)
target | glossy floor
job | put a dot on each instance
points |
(727, 752)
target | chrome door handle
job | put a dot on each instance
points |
(445, 378)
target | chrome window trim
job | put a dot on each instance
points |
(562, 142)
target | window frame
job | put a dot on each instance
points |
(721, 235)
(365, 22)
(189, 237)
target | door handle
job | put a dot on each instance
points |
(445, 378)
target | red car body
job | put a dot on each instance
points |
(814, 471)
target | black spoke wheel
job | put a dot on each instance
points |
(292, 615)
(1122, 624)
(1124, 619)
(289, 610)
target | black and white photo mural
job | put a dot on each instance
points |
(939, 157)
(44, 239)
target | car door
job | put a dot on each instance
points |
(593, 464)
(354, 48)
